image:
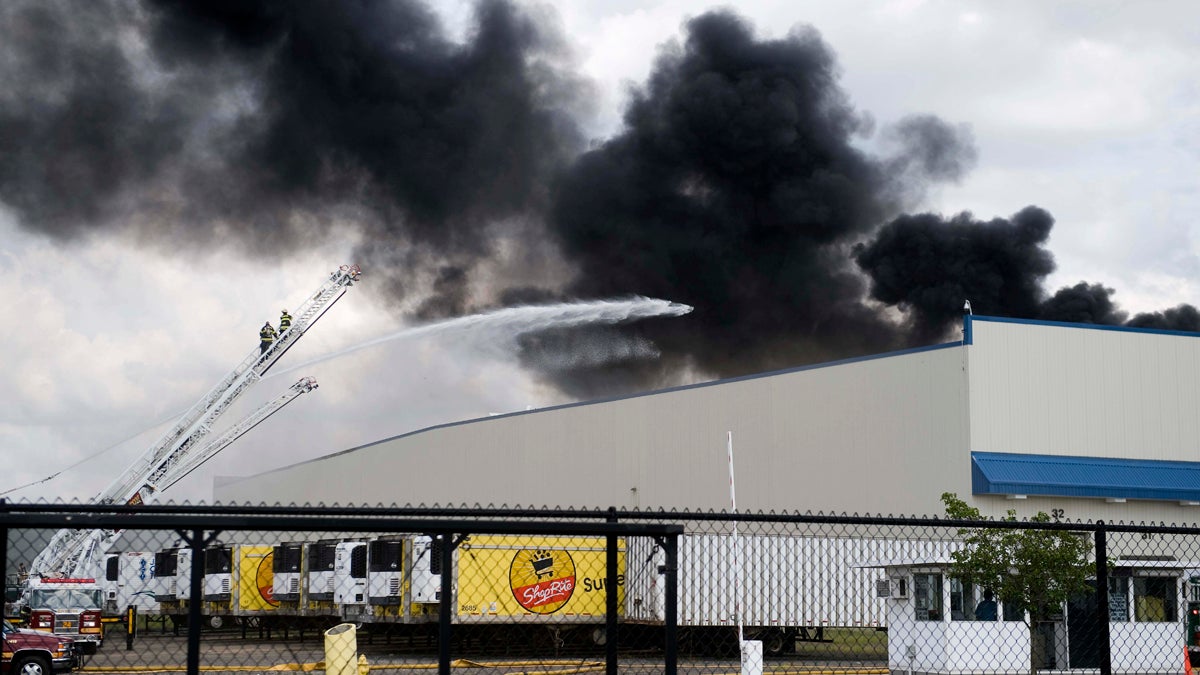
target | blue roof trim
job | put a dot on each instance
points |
(999, 473)
(968, 338)
(1090, 326)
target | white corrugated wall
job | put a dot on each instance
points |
(1091, 392)
(857, 437)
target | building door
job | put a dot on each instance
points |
(1083, 630)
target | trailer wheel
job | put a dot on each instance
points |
(774, 642)
(215, 621)
(599, 637)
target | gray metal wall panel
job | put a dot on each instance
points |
(1070, 390)
(849, 438)
(1084, 392)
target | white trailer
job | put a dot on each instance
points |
(172, 581)
(129, 581)
(789, 587)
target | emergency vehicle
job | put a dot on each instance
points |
(66, 607)
(28, 652)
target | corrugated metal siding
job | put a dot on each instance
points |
(784, 581)
(854, 437)
(1103, 477)
(1077, 391)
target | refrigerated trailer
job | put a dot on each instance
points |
(785, 588)
(129, 582)
(238, 582)
(510, 579)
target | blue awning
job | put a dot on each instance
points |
(1000, 473)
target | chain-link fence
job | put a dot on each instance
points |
(190, 589)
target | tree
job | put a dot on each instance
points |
(1039, 570)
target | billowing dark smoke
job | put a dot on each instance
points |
(929, 266)
(1082, 303)
(736, 188)
(737, 185)
(1183, 317)
(270, 121)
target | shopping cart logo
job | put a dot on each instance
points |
(542, 580)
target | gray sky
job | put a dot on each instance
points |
(1088, 110)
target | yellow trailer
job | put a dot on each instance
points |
(238, 581)
(509, 579)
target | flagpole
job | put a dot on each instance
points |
(737, 558)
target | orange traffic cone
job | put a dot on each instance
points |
(1187, 661)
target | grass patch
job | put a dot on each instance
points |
(847, 644)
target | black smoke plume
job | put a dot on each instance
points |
(1082, 303)
(929, 267)
(738, 183)
(736, 187)
(274, 121)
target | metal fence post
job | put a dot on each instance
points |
(4, 546)
(610, 599)
(1102, 598)
(445, 614)
(196, 597)
(671, 629)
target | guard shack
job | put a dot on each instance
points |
(933, 625)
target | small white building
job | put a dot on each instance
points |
(933, 627)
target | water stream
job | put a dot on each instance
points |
(508, 323)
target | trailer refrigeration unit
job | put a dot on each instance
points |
(306, 579)
(402, 582)
(128, 581)
(172, 585)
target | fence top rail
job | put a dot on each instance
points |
(320, 510)
(167, 521)
(438, 519)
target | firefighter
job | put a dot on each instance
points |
(266, 336)
(285, 322)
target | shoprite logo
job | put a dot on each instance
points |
(542, 580)
(264, 577)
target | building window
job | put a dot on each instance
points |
(1118, 599)
(927, 593)
(1013, 611)
(962, 600)
(1154, 599)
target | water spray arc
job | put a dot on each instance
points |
(512, 322)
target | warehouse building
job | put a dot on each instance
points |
(1079, 421)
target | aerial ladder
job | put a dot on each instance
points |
(77, 553)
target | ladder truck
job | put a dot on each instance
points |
(127, 574)
(79, 554)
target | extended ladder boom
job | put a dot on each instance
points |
(136, 484)
(196, 422)
(170, 475)
(77, 553)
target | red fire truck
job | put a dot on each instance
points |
(67, 607)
